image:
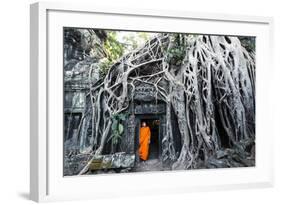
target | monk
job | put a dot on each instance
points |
(144, 141)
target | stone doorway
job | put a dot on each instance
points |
(156, 124)
(154, 146)
(154, 114)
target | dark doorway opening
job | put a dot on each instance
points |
(224, 138)
(71, 124)
(154, 148)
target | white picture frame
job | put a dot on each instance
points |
(46, 179)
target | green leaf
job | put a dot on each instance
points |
(120, 129)
(114, 124)
(122, 117)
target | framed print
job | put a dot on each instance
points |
(124, 96)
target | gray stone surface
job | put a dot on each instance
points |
(113, 161)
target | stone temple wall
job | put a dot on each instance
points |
(82, 51)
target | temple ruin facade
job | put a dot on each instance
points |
(196, 93)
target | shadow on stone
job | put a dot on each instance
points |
(24, 195)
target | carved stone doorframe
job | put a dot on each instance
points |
(138, 119)
(146, 110)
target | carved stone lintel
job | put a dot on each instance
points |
(150, 109)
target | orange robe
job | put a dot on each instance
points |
(144, 142)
